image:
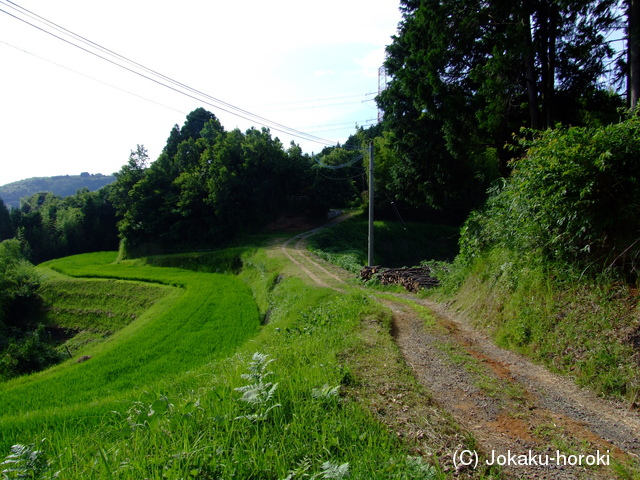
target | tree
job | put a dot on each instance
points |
(467, 74)
(98, 220)
(125, 196)
(18, 283)
(6, 225)
(130, 174)
(209, 185)
(332, 188)
(50, 226)
(633, 52)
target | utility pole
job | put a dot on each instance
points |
(371, 204)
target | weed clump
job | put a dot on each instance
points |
(258, 394)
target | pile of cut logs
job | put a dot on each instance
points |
(413, 279)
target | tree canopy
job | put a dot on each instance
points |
(208, 185)
(468, 74)
(49, 226)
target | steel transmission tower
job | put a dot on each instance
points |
(382, 85)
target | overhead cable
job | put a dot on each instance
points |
(337, 167)
(160, 79)
(90, 77)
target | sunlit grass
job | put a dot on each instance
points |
(103, 306)
(204, 319)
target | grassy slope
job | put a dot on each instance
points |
(298, 420)
(99, 306)
(189, 327)
(201, 428)
(585, 330)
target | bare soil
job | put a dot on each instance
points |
(510, 411)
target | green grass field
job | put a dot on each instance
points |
(195, 387)
(207, 317)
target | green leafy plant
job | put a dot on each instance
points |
(259, 393)
(31, 353)
(571, 199)
(326, 393)
(24, 462)
(334, 470)
(329, 470)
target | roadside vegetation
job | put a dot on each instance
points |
(202, 364)
(550, 265)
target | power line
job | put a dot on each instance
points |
(325, 105)
(329, 127)
(338, 126)
(160, 80)
(323, 99)
(342, 179)
(90, 77)
(337, 167)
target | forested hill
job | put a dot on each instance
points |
(62, 185)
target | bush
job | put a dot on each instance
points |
(19, 283)
(32, 353)
(573, 198)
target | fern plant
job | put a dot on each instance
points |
(330, 470)
(259, 393)
(24, 462)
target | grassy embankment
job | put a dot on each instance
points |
(186, 328)
(587, 330)
(195, 388)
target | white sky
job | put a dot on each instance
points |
(311, 66)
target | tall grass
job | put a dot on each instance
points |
(102, 306)
(577, 327)
(587, 329)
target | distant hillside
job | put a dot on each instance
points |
(63, 185)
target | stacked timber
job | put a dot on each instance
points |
(413, 279)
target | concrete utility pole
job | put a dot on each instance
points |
(370, 204)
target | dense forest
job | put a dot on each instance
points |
(209, 185)
(530, 105)
(520, 112)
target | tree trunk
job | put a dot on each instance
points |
(530, 69)
(547, 33)
(633, 52)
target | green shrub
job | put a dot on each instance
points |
(573, 198)
(19, 283)
(32, 353)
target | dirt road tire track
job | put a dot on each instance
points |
(507, 402)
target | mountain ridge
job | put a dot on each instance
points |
(63, 185)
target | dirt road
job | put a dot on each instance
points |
(527, 421)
